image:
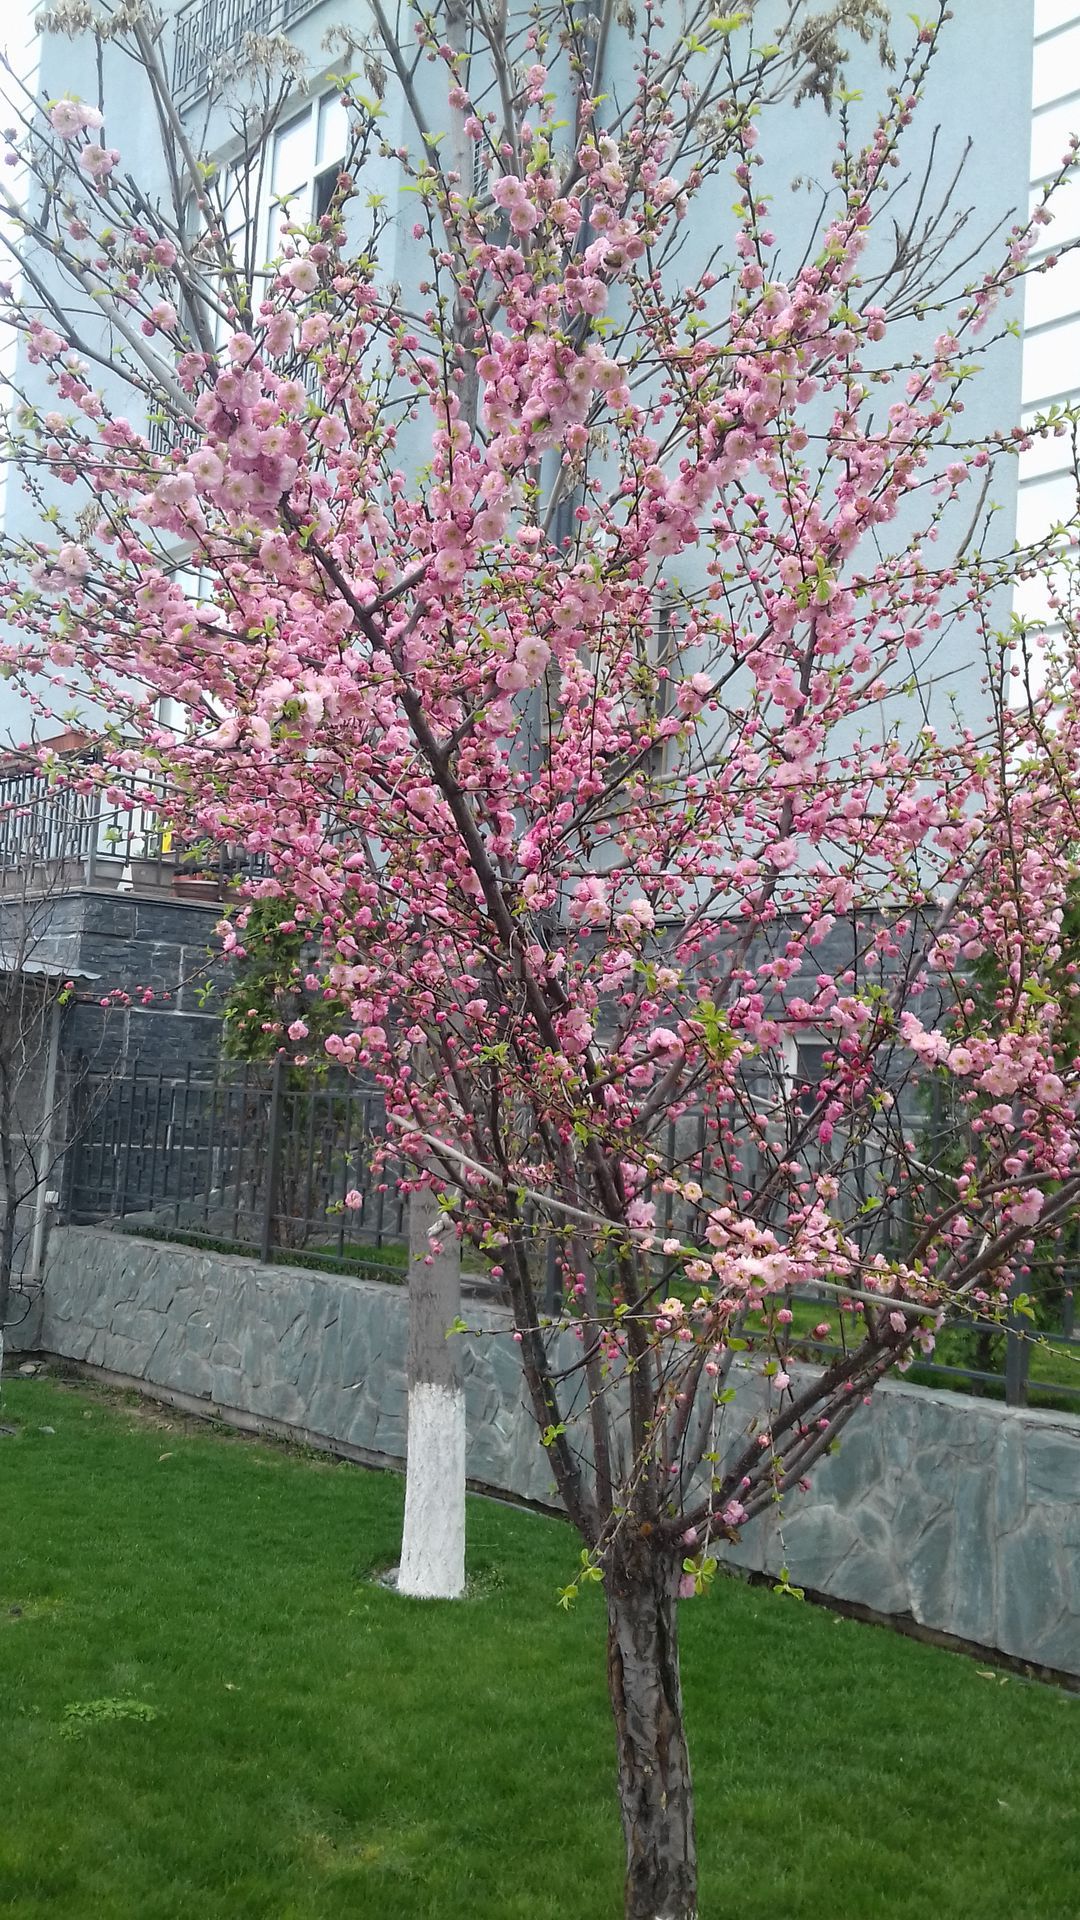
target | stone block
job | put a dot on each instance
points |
(930, 1572)
(1009, 1474)
(1053, 1463)
(105, 913)
(1036, 1591)
(972, 1566)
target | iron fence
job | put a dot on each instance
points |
(1026, 1358)
(265, 1160)
(249, 1156)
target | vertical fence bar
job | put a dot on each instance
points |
(154, 1136)
(273, 1154)
(310, 1098)
(380, 1196)
(122, 1209)
(1017, 1357)
(211, 1146)
(183, 1143)
(346, 1149)
(238, 1184)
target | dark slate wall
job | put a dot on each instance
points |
(136, 944)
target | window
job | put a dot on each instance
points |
(292, 179)
(1050, 130)
(1054, 294)
(306, 156)
(1055, 57)
(809, 1072)
(803, 1069)
(1054, 13)
(1048, 453)
(1064, 206)
(1051, 362)
(295, 179)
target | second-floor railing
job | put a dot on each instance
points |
(115, 837)
(207, 33)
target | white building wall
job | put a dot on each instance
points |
(1051, 367)
(977, 97)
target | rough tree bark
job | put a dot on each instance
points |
(645, 1686)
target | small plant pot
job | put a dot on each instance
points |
(191, 886)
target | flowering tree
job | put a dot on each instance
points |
(565, 637)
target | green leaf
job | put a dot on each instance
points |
(784, 1586)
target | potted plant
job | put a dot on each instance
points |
(193, 881)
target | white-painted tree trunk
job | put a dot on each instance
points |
(433, 1537)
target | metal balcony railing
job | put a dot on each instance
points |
(55, 838)
(207, 33)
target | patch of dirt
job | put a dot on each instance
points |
(154, 1416)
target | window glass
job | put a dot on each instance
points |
(1056, 65)
(1044, 505)
(1050, 132)
(1052, 454)
(1052, 362)
(809, 1072)
(1054, 294)
(172, 714)
(333, 135)
(1054, 13)
(291, 166)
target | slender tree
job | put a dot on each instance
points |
(43, 1102)
(567, 639)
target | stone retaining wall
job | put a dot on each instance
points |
(963, 1514)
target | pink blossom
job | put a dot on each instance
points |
(533, 654)
(73, 559)
(511, 676)
(70, 117)
(301, 274)
(662, 1041)
(589, 905)
(205, 469)
(98, 162)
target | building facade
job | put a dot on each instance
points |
(1051, 365)
(125, 916)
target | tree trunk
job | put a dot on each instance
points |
(655, 1792)
(433, 1536)
(9, 1198)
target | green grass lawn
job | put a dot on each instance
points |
(321, 1748)
(1053, 1365)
